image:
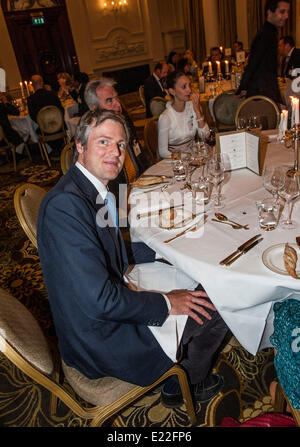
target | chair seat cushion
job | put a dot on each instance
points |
(101, 391)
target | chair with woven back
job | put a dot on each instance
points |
(225, 106)
(151, 138)
(10, 147)
(157, 105)
(67, 157)
(23, 342)
(27, 200)
(262, 107)
(51, 123)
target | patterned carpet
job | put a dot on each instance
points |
(25, 404)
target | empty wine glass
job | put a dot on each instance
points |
(273, 180)
(290, 191)
(241, 123)
(216, 172)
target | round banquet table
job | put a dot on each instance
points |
(243, 293)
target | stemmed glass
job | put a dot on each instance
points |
(290, 191)
(216, 172)
(241, 123)
(274, 179)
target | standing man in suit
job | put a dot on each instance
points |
(153, 86)
(260, 75)
(104, 327)
(291, 56)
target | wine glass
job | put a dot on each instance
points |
(273, 180)
(216, 173)
(290, 191)
(211, 139)
(241, 123)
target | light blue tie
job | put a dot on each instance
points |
(110, 201)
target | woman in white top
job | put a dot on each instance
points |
(182, 119)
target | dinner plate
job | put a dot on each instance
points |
(273, 259)
(174, 219)
(147, 182)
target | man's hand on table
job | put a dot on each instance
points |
(186, 302)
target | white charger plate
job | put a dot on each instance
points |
(273, 259)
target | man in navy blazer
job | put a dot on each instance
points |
(101, 324)
(153, 85)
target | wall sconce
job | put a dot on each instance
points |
(115, 6)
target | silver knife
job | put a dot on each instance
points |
(245, 251)
(239, 249)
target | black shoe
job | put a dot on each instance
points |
(208, 388)
(202, 392)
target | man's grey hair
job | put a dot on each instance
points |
(90, 93)
(92, 119)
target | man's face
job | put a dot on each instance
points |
(281, 14)
(163, 72)
(108, 99)
(284, 48)
(105, 152)
(215, 55)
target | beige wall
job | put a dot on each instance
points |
(147, 32)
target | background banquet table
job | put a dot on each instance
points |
(24, 125)
(245, 292)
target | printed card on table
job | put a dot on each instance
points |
(243, 149)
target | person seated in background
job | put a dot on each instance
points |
(290, 55)
(82, 80)
(42, 98)
(182, 119)
(172, 60)
(154, 85)
(237, 47)
(67, 87)
(184, 66)
(189, 55)
(10, 134)
(215, 56)
(101, 94)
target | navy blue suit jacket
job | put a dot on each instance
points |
(101, 324)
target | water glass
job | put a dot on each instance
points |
(268, 214)
(179, 170)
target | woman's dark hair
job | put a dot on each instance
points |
(182, 63)
(170, 57)
(173, 77)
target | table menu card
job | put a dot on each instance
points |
(243, 149)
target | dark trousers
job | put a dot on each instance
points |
(200, 343)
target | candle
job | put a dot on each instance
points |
(22, 89)
(284, 115)
(295, 110)
(27, 89)
(31, 87)
(221, 49)
(219, 66)
(226, 67)
(210, 67)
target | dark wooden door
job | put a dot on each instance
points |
(45, 49)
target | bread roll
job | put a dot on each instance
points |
(290, 260)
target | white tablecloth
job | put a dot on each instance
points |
(243, 293)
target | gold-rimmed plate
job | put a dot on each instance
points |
(273, 259)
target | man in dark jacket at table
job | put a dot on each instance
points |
(260, 75)
(42, 98)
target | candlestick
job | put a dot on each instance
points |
(219, 66)
(22, 89)
(296, 102)
(285, 114)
